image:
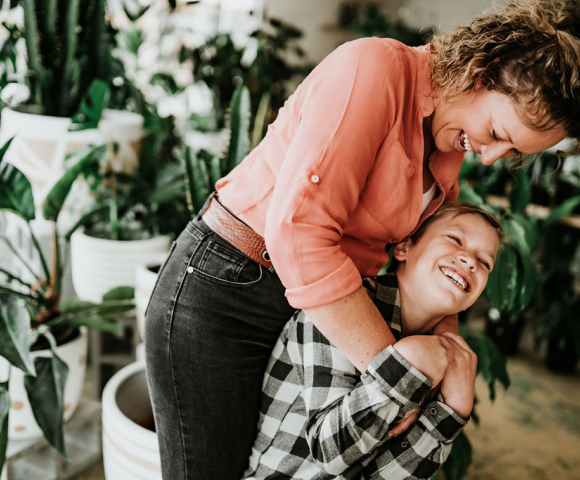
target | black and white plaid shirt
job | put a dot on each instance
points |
(320, 418)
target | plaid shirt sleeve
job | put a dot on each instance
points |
(349, 415)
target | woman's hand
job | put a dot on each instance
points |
(426, 353)
(458, 385)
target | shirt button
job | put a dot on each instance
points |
(404, 444)
(315, 179)
(189, 269)
(433, 411)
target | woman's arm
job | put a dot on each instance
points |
(354, 325)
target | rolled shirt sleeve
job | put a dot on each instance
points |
(344, 113)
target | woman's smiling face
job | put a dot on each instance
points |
(486, 122)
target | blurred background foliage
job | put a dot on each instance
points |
(181, 77)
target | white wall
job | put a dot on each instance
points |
(318, 18)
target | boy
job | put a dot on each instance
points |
(320, 418)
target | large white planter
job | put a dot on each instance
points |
(145, 280)
(130, 452)
(41, 144)
(22, 424)
(98, 265)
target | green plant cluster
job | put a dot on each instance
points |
(32, 315)
(369, 21)
(223, 66)
(537, 267)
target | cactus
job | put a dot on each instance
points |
(66, 50)
(199, 181)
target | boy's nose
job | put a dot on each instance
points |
(467, 260)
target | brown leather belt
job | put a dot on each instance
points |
(230, 228)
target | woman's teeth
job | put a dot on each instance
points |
(464, 142)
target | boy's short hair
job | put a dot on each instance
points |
(456, 209)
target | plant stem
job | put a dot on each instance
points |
(11, 277)
(113, 211)
(39, 250)
(55, 273)
(15, 252)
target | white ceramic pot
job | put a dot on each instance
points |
(145, 280)
(22, 424)
(42, 142)
(130, 451)
(98, 264)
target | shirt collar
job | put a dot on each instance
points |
(423, 89)
(384, 292)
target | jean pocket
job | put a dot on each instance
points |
(161, 268)
(226, 266)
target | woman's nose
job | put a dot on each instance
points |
(492, 152)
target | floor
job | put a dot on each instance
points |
(531, 431)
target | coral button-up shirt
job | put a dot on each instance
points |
(339, 174)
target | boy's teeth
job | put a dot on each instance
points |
(456, 278)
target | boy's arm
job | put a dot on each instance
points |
(350, 415)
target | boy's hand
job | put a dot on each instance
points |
(458, 386)
(426, 354)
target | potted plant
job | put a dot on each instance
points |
(38, 330)
(69, 79)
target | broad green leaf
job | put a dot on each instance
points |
(561, 211)
(197, 180)
(55, 199)
(113, 309)
(521, 192)
(120, 293)
(75, 305)
(467, 194)
(502, 281)
(459, 458)
(46, 396)
(4, 414)
(92, 106)
(95, 323)
(15, 333)
(15, 190)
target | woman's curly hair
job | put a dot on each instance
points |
(528, 50)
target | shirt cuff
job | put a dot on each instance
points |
(442, 422)
(398, 379)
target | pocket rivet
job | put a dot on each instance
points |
(189, 269)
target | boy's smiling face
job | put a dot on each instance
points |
(446, 270)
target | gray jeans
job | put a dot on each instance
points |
(212, 323)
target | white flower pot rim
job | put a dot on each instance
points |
(119, 243)
(109, 398)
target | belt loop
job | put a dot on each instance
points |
(206, 205)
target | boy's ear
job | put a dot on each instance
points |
(401, 249)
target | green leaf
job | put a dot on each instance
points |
(114, 308)
(502, 280)
(15, 190)
(46, 396)
(197, 179)
(467, 194)
(55, 199)
(75, 305)
(459, 458)
(95, 323)
(15, 333)
(86, 219)
(561, 211)
(120, 293)
(521, 192)
(92, 106)
(4, 414)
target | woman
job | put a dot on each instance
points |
(369, 145)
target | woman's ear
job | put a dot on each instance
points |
(400, 250)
